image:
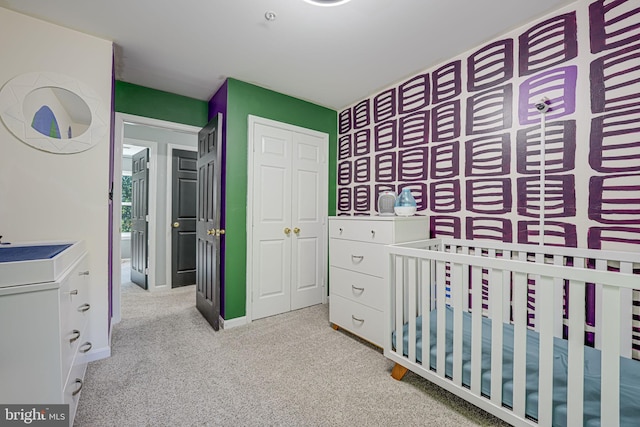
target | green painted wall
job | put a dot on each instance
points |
(146, 102)
(245, 99)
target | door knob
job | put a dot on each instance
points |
(296, 230)
(287, 231)
(211, 232)
(220, 232)
(176, 224)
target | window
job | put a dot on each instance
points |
(125, 225)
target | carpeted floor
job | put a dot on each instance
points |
(169, 368)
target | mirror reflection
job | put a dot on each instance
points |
(56, 112)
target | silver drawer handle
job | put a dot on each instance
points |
(355, 288)
(373, 233)
(73, 292)
(358, 257)
(340, 230)
(83, 273)
(84, 307)
(75, 334)
(356, 319)
(85, 347)
(76, 391)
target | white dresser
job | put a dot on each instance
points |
(358, 269)
(42, 330)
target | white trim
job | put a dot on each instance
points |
(169, 236)
(120, 120)
(251, 122)
(233, 323)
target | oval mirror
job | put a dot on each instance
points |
(56, 112)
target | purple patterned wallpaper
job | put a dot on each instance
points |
(465, 136)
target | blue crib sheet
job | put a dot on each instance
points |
(629, 378)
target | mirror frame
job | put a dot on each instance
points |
(12, 97)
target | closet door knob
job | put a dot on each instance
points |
(296, 230)
(287, 231)
(176, 224)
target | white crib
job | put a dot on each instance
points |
(509, 357)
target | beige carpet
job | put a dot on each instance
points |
(169, 368)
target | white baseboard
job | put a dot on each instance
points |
(233, 323)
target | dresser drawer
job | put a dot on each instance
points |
(358, 319)
(362, 230)
(73, 387)
(365, 258)
(358, 287)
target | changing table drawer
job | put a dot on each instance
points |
(362, 230)
(358, 287)
(357, 256)
(358, 319)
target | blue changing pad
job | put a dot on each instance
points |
(30, 253)
(629, 381)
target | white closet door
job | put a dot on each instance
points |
(271, 266)
(309, 190)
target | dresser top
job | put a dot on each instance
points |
(379, 218)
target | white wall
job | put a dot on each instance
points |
(46, 196)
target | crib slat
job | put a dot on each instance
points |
(441, 305)
(558, 299)
(519, 342)
(465, 281)
(425, 310)
(412, 273)
(457, 287)
(609, 407)
(496, 306)
(626, 314)
(476, 330)
(539, 259)
(506, 288)
(399, 298)
(575, 370)
(601, 265)
(545, 309)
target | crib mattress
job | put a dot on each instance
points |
(629, 378)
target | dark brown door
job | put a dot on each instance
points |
(139, 214)
(183, 212)
(208, 232)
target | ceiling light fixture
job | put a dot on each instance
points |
(327, 2)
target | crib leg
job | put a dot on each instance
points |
(334, 326)
(398, 372)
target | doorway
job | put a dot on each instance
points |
(161, 138)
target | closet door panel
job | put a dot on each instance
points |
(271, 278)
(309, 210)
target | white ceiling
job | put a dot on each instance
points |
(332, 56)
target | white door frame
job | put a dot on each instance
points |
(252, 120)
(120, 120)
(170, 148)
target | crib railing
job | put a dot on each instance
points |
(420, 272)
